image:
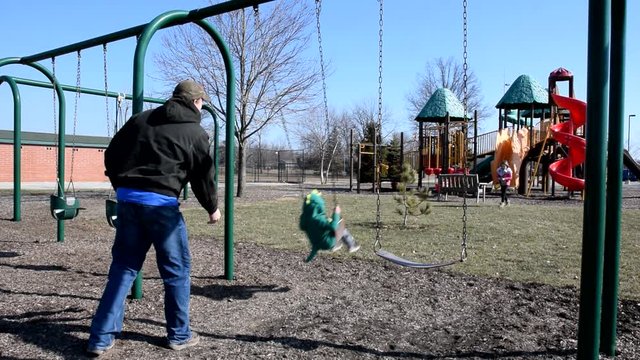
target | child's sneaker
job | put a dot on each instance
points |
(354, 248)
(337, 247)
(193, 340)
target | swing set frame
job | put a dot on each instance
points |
(144, 33)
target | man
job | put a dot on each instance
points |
(148, 162)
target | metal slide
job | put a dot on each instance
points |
(631, 164)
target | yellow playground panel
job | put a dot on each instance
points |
(511, 145)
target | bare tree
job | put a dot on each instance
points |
(273, 78)
(323, 139)
(447, 73)
(365, 113)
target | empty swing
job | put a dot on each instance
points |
(377, 160)
(65, 207)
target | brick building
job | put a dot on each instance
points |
(39, 157)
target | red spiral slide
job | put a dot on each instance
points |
(561, 170)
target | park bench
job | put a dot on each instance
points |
(457, 183)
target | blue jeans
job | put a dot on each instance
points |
(140, 226)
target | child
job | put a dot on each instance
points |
(321, 231)
(504, 176)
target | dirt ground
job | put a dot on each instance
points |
(278, 307)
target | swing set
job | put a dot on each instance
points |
(67, 207)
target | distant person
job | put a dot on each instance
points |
(504, 178)
(149, 161)
(324, 233)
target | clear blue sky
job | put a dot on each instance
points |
(506, 39)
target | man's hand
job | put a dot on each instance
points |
(213, 218)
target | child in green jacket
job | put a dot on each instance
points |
(321, 231)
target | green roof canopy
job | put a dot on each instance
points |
(522, 93)
(442, 101)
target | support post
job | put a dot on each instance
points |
(595, 169)
(614, 180)
(401, 149)
(420, 156)
(351, 160)
(359, 167)
(445, 146)
(475, 140)
(164, 20)
(17, 146)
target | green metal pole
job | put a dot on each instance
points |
(614, 180)
(83, 90)
(216, 138)
(192, 15)
(61, 126)
(165, 20)
(594, 205)
(17, 146)
(138, 92)
(230, 149)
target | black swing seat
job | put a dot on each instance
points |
(111, 211)
(412, 264)
(64, 208)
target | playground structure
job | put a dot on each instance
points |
(520, 105)
(442, 129)
(545, 153)
(443, 149)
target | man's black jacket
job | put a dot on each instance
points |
(162, 149)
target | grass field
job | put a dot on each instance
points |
(524, 243)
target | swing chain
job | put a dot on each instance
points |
(463, 250)
(75, 118)
(322, 70)
(106, 88)
(55, 108)
(323, 75)
(55, 124)
(256, 18)
(465, 54)
(378, 245)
